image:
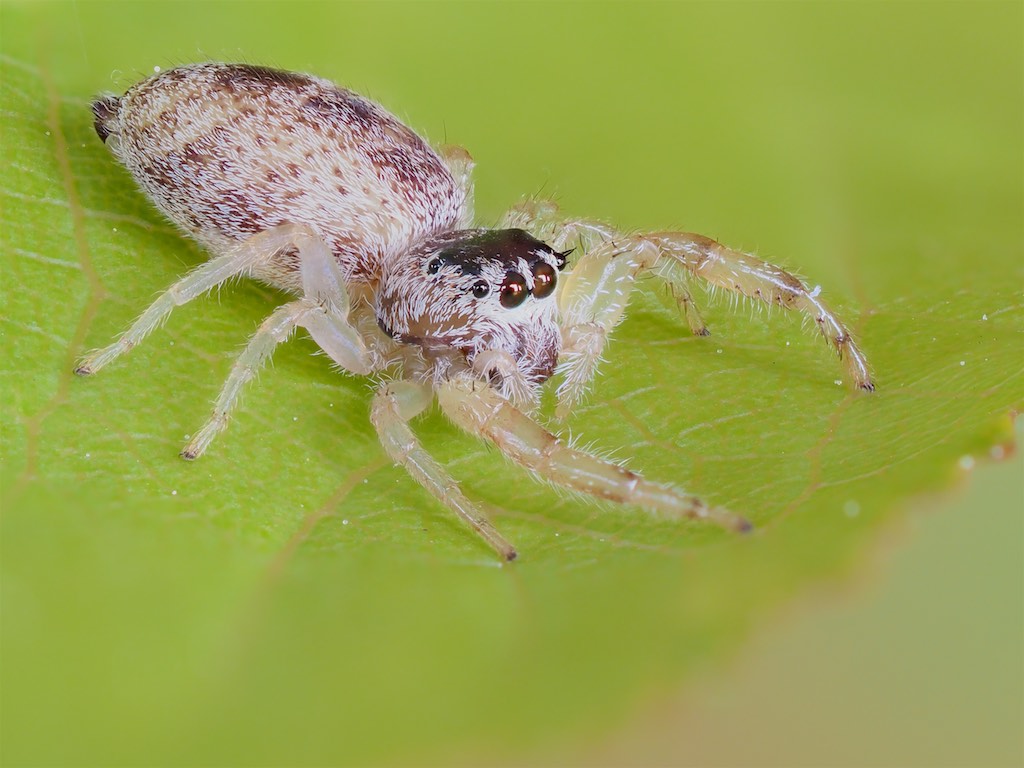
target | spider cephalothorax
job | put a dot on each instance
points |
(315, 190)
(485, 297)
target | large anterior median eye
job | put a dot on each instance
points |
(513, 290)
(543, 280)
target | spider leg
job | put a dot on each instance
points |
(594, 297)
(461, 165)
(544, 220)
(594, 294)
(749, 276)
(688, 307)
(239, 262)
(481, 411)
(322, 311)
(592, 302)
(394, 404)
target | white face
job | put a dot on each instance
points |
(477, 290)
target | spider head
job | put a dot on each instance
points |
(470, 291)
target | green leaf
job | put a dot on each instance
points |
(291, 598)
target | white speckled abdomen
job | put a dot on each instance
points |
(227, 151)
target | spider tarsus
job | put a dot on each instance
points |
(84, 370)
(723, 518)
(867, 386)
(510, 555)
(189, 454)
(703, 331)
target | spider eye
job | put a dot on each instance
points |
(543, 280)
(513, 290)
(433, 266)
(562, 258)
(481, 289)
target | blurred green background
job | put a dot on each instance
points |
(292, 599)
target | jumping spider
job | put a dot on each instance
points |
(313, 189)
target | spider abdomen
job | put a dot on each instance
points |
(226, 151)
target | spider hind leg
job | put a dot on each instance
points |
(239, 261)
(323, 311)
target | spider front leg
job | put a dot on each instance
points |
(750, 276)
(394, 404)
(595, 294)
(591, 303)
(544, 220)
(478, 409)
(322, 311)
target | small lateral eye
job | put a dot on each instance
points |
(513, 290)
(543, 280)
(481, 289)
(433, 266)
(562, 258)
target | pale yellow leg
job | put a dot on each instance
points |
(479, 410)
(323, 312)
(461, 164)
(544, 220)
(750, 276)
(594, 293)
(239, 262)
(394, 404)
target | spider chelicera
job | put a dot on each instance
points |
(291, 180)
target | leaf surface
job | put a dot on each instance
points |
(293, 598)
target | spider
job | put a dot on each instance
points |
(294, 181)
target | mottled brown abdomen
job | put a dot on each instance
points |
(228, 150)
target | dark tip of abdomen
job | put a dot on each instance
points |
(104, 111)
